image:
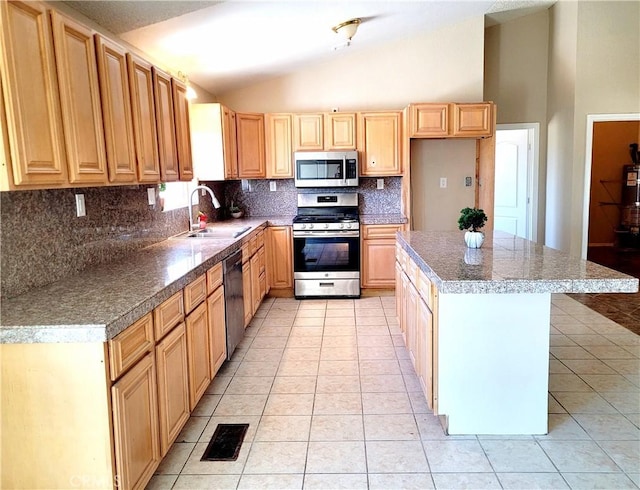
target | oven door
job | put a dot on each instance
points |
(320, 254)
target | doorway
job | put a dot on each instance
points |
(516, 179)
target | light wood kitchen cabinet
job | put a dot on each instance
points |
(116, 111)
(279, 257)
(246, 292)
(380, 141)
(428, 120)
(77, 69)
(339, 131)
(173, 385)
(378, 255)
(144, 119)
(198, 355)
(217, 330)
(472, 120)
(255, 284)
(33, 139)
(183, 129)
(213, 141)
(168, 314)
(308, 132)
(130, 345)
(165, 125)
(250, 144)
(135, 424)
(279, 146)
(424, 350)
(195, 293)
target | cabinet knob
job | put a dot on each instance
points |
(372, 164)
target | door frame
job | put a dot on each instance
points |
(588, 160)
(533, 173)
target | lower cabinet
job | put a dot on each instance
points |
(198, 355)
(378, 255)
(217, 330)
(279, 257)
(173, 385)
(246, 292)
(135, 424)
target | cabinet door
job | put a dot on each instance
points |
(198, 353)
(246, 292)
(380, 142)
(424, 353)
(230, 143)
(279, 150)
(378, 263)
(472, 120)
(183, 131)
(308, 132)
(135, 424)
(429, 120)
(116, 111)
(165, 125)
(279, 252)
(30, 87)
(340, 131)
(144, 119)
(173, 385)
(255, 284)
(250, 138)
(80, 100)
(411, 320)
(217, 330)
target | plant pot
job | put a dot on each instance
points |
(473, 256)
(474, 239)
(237, 214)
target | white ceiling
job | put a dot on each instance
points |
(225, 45)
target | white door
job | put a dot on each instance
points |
(511, 182)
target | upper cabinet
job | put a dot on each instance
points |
(331, 131)
(166, 127)
(250, 141)
(144, 119)
(80, 100)
(451, 120)
(116, 111)
(213, 142)
(380, 141)
(278, 146)
(34, 153)
(183, 129)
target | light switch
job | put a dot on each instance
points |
(380, 184)
(272, 185)
(443, 182)
(80, 208)
(151, 196)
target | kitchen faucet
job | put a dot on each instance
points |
(216, 203)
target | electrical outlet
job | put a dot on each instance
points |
(81, 210)
(443, 182)
(380, 184)
(468, 181)
(151, 196)
(272, 185)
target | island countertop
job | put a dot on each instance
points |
(507, 264)
(96, 304)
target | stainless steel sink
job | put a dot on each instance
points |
(222, 233)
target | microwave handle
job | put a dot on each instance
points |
(344, 169)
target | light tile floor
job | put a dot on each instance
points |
(333, 402)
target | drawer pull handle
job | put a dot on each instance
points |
(326, 284)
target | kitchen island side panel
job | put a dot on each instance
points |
(493, 368)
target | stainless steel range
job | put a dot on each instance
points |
(326, 246)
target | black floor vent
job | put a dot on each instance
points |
(225, 443)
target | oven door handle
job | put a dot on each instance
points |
(327, 234)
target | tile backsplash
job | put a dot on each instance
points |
(42, 240)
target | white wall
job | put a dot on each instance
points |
(446, 65)
(515, 78)
(594, 68)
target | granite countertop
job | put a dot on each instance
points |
(507, 264)
(383, 219)
(99, 302)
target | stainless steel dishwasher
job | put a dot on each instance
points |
(233, 301)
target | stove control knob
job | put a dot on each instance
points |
(326, 225)
(342, 225)
(310, 225)
(303, 226)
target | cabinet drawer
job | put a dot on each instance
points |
(261, 260)
(253, 245)
(214, 278)
(381, 231)
(168, 314)
(260, 240)
(195, 293)
(130, 345)
(424, 288)
(245, 252)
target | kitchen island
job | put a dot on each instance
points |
(477, 324)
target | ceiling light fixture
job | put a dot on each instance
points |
(347, 29)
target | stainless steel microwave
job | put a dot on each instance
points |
(326, 169)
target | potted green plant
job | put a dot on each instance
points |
(235, 211)
(472, 219)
